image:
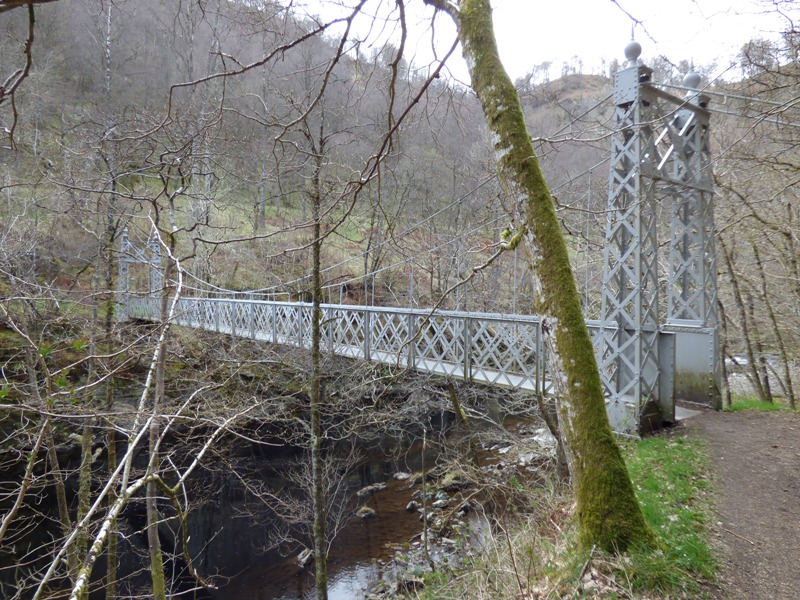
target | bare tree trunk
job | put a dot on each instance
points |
(87, 433)
(260, 220)
(317, 468)
(107, 345)
(85, 471)
(737, 298)
(84, 488)
(111, 459)
(550, 418)
(153, 543)
(724, 352)
(608, 513)
(761, 359)
(790, 234)
(776, 330)
(108, 401)
(462, 420)
(52, 456)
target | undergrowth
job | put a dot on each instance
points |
(535, 556)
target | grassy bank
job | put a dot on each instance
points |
(534, 555)
(745, 403)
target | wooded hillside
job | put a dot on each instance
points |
(255, 146)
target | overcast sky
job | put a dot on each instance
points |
(531, 32)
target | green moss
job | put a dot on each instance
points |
(609, 515)
(693, 387)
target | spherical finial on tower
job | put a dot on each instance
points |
(692, 80)
(632, 52)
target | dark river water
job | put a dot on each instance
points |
(231, 531)
(362, 553)
(359, 556)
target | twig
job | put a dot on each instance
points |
(739, 536)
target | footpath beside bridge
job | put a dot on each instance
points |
(659, 158)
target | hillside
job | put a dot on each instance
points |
(199, 148)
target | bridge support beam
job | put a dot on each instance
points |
(659, 154)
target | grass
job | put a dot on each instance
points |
(670, 475)
(538, 557)
(749, 403)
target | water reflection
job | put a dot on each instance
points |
(360, 555)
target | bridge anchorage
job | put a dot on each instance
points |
(659, 158)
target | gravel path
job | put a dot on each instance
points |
(756, 463)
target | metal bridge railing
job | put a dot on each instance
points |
(496, 349)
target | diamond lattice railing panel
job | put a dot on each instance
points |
(205, 314)
(347, 330)
(132, 309)
(188, 312)
(389, 333)
(227, 315)
(440, 343)
(287, 325)
(262, 320)
(306, 315)
(239, 320)
(502, 349)
(199, 313)
(212, 314)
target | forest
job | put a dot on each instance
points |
(258, 148)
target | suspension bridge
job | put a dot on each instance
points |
(647, 357)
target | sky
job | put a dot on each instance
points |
(531, 32)
(700, 31)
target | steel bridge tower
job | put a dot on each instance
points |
(660, 160)
(130, 254)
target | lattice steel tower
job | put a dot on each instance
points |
(659, 154)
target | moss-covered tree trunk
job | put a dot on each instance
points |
(608, 512)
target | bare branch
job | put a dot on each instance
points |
(6, 5)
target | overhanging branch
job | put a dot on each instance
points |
(6, 5)
(9, 87)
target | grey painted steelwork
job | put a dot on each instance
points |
(692, 291)
(697, 362)
(130, 254)
(659, 151)
(630, 310)
(504, 350)
(123, 276)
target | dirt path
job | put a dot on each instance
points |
(756, 459)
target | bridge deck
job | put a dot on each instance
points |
(497, 349)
